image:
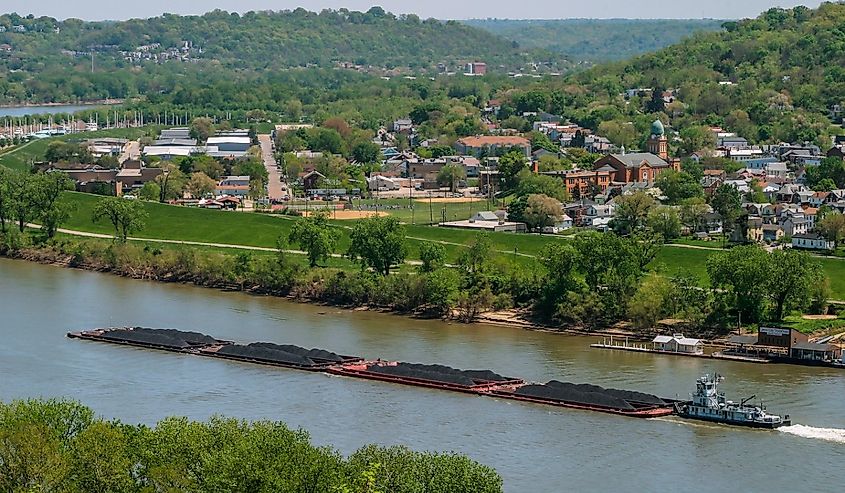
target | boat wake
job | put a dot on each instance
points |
(836, 435)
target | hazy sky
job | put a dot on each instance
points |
(441, 9)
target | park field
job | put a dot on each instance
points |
(260, 230)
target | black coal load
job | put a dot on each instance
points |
(440, 373)
(627, 395)
(579, 394)
(314, 354)
(170, 338)
(258, 352)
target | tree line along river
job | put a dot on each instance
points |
(535, 448)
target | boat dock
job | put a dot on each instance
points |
(761, 349)
(693, 350)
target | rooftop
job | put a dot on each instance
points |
(489, 140)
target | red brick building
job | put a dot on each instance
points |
(641, 166)
(581, 180)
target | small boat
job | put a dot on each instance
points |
(708, 404)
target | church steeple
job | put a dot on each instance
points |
(658, 144)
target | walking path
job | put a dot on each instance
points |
(275, 191)
(103, 236)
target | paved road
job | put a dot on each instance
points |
(274, 183)
(132, 150)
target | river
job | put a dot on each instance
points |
(535, 448)
(21, 111)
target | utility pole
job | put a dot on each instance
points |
(430, 211)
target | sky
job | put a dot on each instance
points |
(440, 9)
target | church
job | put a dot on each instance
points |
(640, 167)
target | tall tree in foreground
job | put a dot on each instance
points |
(378, 243)
(5, 197)
(34, 197)
(727, 202)
(792, 277)
(126, 216)
(632, 212)
(314, 235)
(741, 278)
(541, 212)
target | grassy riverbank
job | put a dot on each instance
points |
(168, 222)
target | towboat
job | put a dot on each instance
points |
(709, 404)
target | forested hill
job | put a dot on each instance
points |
(597, 39)
(255, 41)
(775, 78)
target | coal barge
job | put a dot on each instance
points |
(477, 382)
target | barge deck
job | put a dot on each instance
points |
(475, 382)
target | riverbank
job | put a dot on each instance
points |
(280, 276)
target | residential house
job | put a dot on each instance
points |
(560, 226)
(233, 186)
(789, 191)
(818, 199)
(403, 125)
(795, 226)
(599, 216)
(754, 230)
(837, 151)
(811, 241)
(491, 144)
(597, 145)
(711, 223)
(779, 170)
(312, 180)
(772, 233)
(741, 185)
(731, 141)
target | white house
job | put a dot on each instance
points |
(382, 183)
(677, 343)
(811, 241)
(560, 226)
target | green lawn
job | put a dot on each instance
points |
(261, 230)
(187, 224)
(715, 244)
(801, 324)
